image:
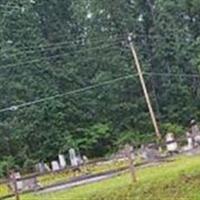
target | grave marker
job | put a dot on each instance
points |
(62, 161)
(55, 166)
(73, 158)
(171, 144)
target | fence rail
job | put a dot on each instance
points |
(36, 176)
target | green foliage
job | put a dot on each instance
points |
(173, 128)
(135, 138)
(6, 165)
(52, 47)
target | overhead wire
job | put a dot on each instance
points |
(171, 74)
(84, 89)
(56, 46)
(56, 56)
(62, 36)
(8, 6)
(36, 46)
(80, 90)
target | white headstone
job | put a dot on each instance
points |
(73, 158)
(62, 161)
(195, 129)
(85, 159)
(171, 144)
(55, 166)
(19, 183)
(190, 143)
(40, 167)
(47, 168)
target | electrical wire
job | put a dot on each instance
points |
(56, 56)
(21, 48)
(55, 47)
(16, 107)
(12, 7)
(171, 74)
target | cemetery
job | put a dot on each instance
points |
(177, 180)
(57, 176)
(100, 100)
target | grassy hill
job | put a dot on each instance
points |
(175, 180)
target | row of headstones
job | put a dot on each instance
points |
(23, 185)
(150, 152)
(193, 141)
(56, 165)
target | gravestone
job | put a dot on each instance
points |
(40, 167)
(62, 161)
(194, 128)
(171, 144)
(190, 143)
(149, 153)
(195, 132)
(85, 159)
(47, 168)
(30, 184)
(55, 166)
(19, 183)
(79, 160)
(73, 157)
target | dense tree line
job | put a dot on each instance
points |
(52, 47)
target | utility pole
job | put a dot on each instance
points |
(139, 70)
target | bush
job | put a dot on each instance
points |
(173, 128)
(6, 165)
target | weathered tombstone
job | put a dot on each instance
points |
(30, 184)
(149, 153)
(85, 159)
(194, 128)
(47, 168)
(189, 141)
(40, 167)
(171, 144)
(73, 158)
(62, 161)
(19, 183)
(55, 166)
(195, 132)
(79, 160)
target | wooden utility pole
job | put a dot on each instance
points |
(139, 70)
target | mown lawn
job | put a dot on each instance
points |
(55, 178)
(179, 180)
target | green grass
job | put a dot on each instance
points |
(54, 178)
(179, 180)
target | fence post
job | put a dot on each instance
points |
(131, 162)
(14, 181)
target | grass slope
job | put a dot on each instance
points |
(179, 180)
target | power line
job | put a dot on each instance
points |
(12, 7)
(77, 40)
(56, 56)
(57, 46)
(15, 107)
(171, 74)
(93, 39)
